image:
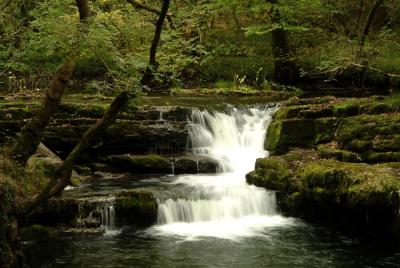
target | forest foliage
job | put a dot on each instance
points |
(208, 43)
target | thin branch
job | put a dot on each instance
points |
(141, 5)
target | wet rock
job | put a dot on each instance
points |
(193, 164)
(100, 167)
(82, 170)
(139, 163)
(152, 164)
(131, 206)
(136, 206)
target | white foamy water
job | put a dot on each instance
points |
(223, 205)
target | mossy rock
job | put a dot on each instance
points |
(350, 184)
(379, 157)
(325, 129)
(283, 134)
(330, 151)
(136, 206)
(386, 143)
(272, 173)
(140, 163)
(346, 109)
(366, 132)
(81, 109)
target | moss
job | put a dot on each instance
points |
(386, 143)
(351, 185)
(140, 163)
(327, 151)
(75, 181)
(325, 129)
(358, 133)
(136, 206)
(346, 109)
(272, 173)
(282, 134)
(378, 157)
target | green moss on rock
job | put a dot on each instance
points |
(136, 206)
(330, 151)
(272, 173)
(283, 134)
(325, 129)
(350, 184)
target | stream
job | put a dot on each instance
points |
(214, 220)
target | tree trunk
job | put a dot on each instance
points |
(285, 69)
(363, 38)
(148, 77)
(61, 177)
(28, 140)
(84, 9)
(368, 23)
(157, 34)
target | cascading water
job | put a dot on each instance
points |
(223, 205)
(107, 211)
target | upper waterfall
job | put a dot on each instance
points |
(223, 205)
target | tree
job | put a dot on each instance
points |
(153, 65)
(141, 5)
(368, 23)
(285, 68)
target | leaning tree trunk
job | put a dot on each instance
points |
(28, 139)
(286, 71)
(153, 65)
(61, 177)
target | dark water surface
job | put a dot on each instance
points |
(297, 246)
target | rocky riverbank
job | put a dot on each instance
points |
(337, 161)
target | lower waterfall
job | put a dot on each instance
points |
(223, 205)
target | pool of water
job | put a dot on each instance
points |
(297, 245)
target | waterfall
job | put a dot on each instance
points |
(107, 211)
(223, 205)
